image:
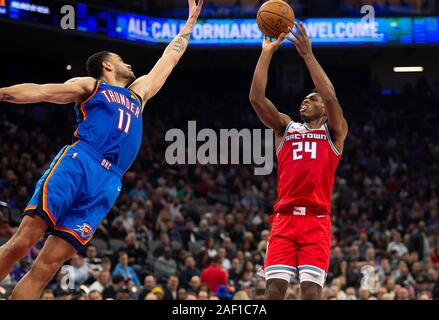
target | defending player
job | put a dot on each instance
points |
(308, 154)
(84, 179)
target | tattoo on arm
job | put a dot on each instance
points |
(179, 44)
(6, 97)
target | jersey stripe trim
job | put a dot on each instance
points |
(311, 269)
(84, 112)
(46, 182)
(333, 147)
(283, 138)
(74, 234)
(279, 268)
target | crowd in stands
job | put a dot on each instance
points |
(200, 231)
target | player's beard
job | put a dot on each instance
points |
(126, 76)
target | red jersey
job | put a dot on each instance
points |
(214, 276)
(307, 160)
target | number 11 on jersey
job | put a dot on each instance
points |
(304, 146)
(120, 125)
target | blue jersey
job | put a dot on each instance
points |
(110, 122)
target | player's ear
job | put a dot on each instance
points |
(107, 66)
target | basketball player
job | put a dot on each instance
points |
(84, 179)
(308, 154)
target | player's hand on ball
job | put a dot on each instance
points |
(194, 10)
(302, 41)
(271, 45)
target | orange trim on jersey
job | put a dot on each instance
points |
(30, 208)
(84, 111)
(45, 205)
(73, 233)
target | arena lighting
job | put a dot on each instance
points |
(408, 69)
(69, 67)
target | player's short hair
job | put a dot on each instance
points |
(94, 63)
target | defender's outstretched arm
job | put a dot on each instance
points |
(265, 109)
(148, 85)
(72, 91)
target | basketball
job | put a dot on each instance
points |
(275, 17)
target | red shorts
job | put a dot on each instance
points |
(299, 244)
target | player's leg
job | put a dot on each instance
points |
(55, 252)
(280, 259)
(310, 291)
(314, 256)
(29, 232)
(40, 214)
(276, 288)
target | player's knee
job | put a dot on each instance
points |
(17, 247)
(276, 289)
(311, 291)
(44, 270)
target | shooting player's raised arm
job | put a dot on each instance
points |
(265, 109)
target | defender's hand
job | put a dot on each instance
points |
(302, 41)
(271, 46)
(194, 11)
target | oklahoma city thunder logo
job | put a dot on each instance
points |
(85, 230)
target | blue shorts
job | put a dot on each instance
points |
(76, 193)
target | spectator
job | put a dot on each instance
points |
(149, 283)
(123, 294)
(203, 293)
(182, 294)
(363, 245)
(117, 229)
(122, 268)
(171, 290)
(103, 281)
(165, 266)
(111, 291)
(158, 291)
(225, 262)
(189, 271)
(164, 243)
(194, 284)
(214, 275)
(223, 293)
(80, 272)
(94, 295)
(396, 247)
(48, 295)
(136, 252)
(93, 261)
